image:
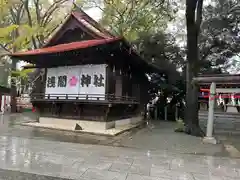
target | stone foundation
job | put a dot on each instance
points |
(112, 128)
(89, 125)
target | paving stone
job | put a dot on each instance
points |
(103, 175)
(153, 162)
(140, 169)
(98, 165)
(190, 167)
(72, 175)
(120, 167)
(202, 177)
(210, 177)
(141, 177)
(170, 174)
(124, 160)
(225, 171)
(158, 172)
(17, 175)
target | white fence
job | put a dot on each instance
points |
(5, 103)
(223, 122)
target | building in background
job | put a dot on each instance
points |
(5, 70)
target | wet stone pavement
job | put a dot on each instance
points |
(27, 158)
(10, 126)
(161, 137)
(157, 154)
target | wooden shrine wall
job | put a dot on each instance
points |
(117, 83)
(93, 112)
(73, 35)
(124, 84)
(71, 32)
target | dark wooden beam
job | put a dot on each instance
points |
(4, 90)
(30, 67)
(218, 79)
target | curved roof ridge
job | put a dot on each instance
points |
(66, 47)
(84, 19)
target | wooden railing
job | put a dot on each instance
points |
(83, 97)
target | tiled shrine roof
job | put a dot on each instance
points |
(86, 21)
(66, 47)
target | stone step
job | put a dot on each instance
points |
(219, 117)
(218, 130)
(220, 114)
(221, 120)
(216, 121)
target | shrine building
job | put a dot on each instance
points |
(227, 92)
(90, 78)
(226, 105)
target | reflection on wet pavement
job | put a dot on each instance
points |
(161, 137)
(88, 162)
(10, 126)
(33, 153)
(17, 175)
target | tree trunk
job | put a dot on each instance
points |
(13, 89)
(191, 116)
(192, 121)
(13, 92)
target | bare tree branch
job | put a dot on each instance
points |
(50, 11)
(5, 47)
(199, 15)
(38, 11)
(14, 18)
(30, 23)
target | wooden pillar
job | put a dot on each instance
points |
(176, 112)
(118, 86)
(165, 113)
(1, 103)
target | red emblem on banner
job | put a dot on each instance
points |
(73, 81)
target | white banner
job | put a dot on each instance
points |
(76, 81)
